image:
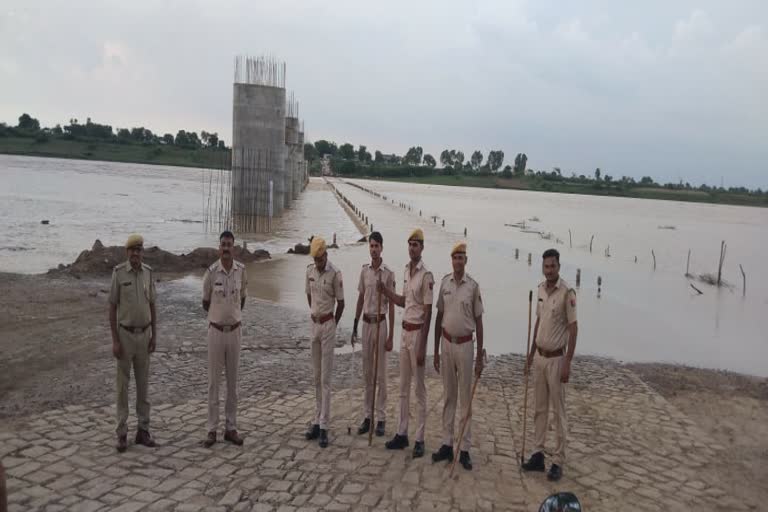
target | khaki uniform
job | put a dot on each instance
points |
(418, 291)
(367, 286)
(224, 290)
(133, 291)
(461, 303)
(555, 311)
(325, 289)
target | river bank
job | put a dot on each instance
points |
(114, 152)
(692, 195)
(703, 431)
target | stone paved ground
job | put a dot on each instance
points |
(628, 447)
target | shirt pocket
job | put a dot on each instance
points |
(127, 292)
(467, 308)
(327, 287)
(219, 293)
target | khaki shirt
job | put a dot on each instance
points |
(555, 311)
(224, 290)
(132, 292)
(417, 291)
(367, 286)
(325, 288)
(460, 304)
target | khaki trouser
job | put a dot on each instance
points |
(408, 369)
(549, 392)
(223, 353)
(456, 364)
(323, 342)
(135, 349)
(369, 339)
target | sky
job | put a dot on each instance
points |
(677, 90)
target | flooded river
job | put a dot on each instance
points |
(643, 314)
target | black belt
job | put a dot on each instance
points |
(224, 328)
(374, 319)
(550, 353)
(135, 330)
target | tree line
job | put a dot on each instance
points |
(346, 160)
(29, 127)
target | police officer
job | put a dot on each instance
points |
(375, 330)
(132, 320)
(459, 315)
(418, 285)
(224, 292)
(554, 343)
(324, 288)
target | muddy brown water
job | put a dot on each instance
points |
(643, 314)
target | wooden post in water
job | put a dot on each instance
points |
(599, 286)
(590, 243)
(688, 264)
(654, 259)
(517, 254)
(570, 238)
(744, 280)
(723, 247)
(578, 277)
(529, 259)
(465, 232)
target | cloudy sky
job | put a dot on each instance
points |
(673, 89)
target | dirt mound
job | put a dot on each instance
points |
(101, 260)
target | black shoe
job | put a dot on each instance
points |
(397, 443)
(233, 437)
(122, 443)
(444, 453)
(313, 432)
(365, 426)
(323, 438)
(210, 439)
(418, 449)
(380, 428)
(464, 460)
(555, 473)
(535, 463)
(143, 437)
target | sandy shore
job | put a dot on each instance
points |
(55, 346)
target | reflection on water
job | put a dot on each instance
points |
(642, 315)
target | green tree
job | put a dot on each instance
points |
(413, 156)
(168, 139)
(379, 157)
(363, 155)
(326, 148)
(28, 123)
(222, 144)
(310, 152)
(213, 140)
(458, 159)
(124, 135)
(495, 160)
(429, 161)
(347, 151)
(507, 172)
(182, 139)
(521, 162)
(476, 160)
(597, 174)
(446, 159)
